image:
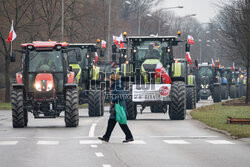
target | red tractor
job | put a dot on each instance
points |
(44, 86)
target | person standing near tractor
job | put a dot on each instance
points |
(117, 96)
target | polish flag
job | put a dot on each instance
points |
(233, 67)
(190, 39)
(213, 63)
(96, 57)
(103, 44)
(188, 57)
(160, 71)
(12, 34)
(118, 41)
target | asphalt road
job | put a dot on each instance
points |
(158, 142)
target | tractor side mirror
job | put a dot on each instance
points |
(187, 48)
(113, 57)
(13, 57)
(70, 68)
(101, 53)
(196, 63)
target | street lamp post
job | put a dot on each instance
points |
(62, 28)
(159, 19)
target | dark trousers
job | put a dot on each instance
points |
(111, 125)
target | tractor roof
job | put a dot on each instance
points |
(44, 44)
(152, 38)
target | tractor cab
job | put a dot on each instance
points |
(44, 81)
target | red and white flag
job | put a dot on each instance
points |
(103, 44)
(96, 57)
(190, 39)
(160, 71)
(118, 41)
(213, 63)
(233, 67)
(12, 34)
(188, 57)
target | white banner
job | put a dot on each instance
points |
(151, 92)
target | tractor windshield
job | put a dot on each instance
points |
(205, 71)
(149, 50)
(45, 61)
(72, 59)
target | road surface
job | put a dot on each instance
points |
(158, 142)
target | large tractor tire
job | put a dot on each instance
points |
(177, 108)
(71, 111)
(224, 92)
(190, 97)
(244, 90)
(233, 91)
(237, 91)
(156, 109)
(217, 93)
(131, 106)
(95, 102)
(18, 114)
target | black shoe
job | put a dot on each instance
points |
(103, 139)
(128, 140)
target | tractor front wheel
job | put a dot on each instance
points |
(177, 108)
(95, 102)
(71, 111)
(217, 93)
(190, 97)
(18, 114)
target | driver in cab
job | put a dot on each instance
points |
(152, 53)
(46, 64)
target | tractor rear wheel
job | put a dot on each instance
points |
(233, 91)
(18, 116)
(71, 111)
(217, 93)
(177, 108)
(131, 106)
(95, 102)
(224, 92)
(190, 97)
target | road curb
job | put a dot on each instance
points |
(246, 140)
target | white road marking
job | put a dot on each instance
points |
(92, 130)
(137, 142)
(90, 142)
(219, 142)
(43, 142)
(93, 146)
(176, 142)
(106, 165)
(183, 136)
(99, 154)
(5, 143)
(13, 137)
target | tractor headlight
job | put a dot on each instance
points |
(38, 86)
(202, 86)
(207, 86)
(49, 87)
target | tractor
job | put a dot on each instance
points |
(88, 75)
(145, 86)
(44, 86)
(209, 82)
(231, 78)
(224, 84)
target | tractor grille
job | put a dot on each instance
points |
(149, 67)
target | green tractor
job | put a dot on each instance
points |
(88, 75)
(143, 84)
(209, 82)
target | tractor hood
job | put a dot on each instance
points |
(148, 68)
(44, 86)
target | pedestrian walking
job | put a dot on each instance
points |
(117, 96)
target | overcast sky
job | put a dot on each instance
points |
(205, 9)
